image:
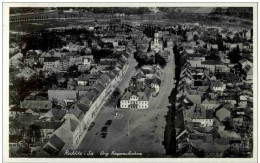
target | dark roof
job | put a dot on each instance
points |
(48, 125)
(104, 78)
(76, 111)
(211, 62)
(85, 101)
(18, 109)
(126, 54)
(56, 142)
(157, 81)
(57, 114)
(50, 150)
(99, 87)
(82, 107)
(51, 59)
(209, 114)
(15, 138)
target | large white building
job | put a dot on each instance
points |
(137, 100)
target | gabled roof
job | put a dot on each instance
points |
(56, 114)
(56, 142)
(70, 124)
(85, 101)
(222, 113)
(76, 111)
(82, 107)
(98, 87)
(206, 101)
(35, 104)
(48, 125)
(104, 78)
(196, 99)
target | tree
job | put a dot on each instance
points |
(234, 55)
(116, 92)
(73, 68)
(34, 132)
(195, 37)
(160, 60)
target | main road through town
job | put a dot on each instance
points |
(138, 130)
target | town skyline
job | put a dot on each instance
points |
(144, 82)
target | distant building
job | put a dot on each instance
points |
(156, 44)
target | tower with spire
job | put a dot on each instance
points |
(156, 44)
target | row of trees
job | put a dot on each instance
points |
(242, 12)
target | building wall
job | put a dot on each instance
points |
(204, 122)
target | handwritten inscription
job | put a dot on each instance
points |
(102, 153)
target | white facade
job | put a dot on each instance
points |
(219, 88)
(133, 103)
(204, 122)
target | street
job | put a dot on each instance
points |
(146, 127)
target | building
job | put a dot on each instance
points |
(156, 44)
(138, 100)
(59, 96)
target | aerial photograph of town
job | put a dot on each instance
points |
(131, 82)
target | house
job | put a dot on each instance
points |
(208, 149)
(211, 65)
(47, 128)
(69, 132)
(26, 73)
(244, 62)
(200, 115)
(222, 114)
(36, 112)
(16, 59)
(212, 46)
(53, 115)
(210, 104)
(218, 86)
(88, 79)
(16, 111)
(60, 96)
(83, 67)
(72, 84)
(242, 101)
(136, 100)
(54, 145)
(52, 64)
(36, 103)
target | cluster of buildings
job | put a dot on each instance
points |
(144, 84)
(214, 101)
(147, 80)
(47, 122)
